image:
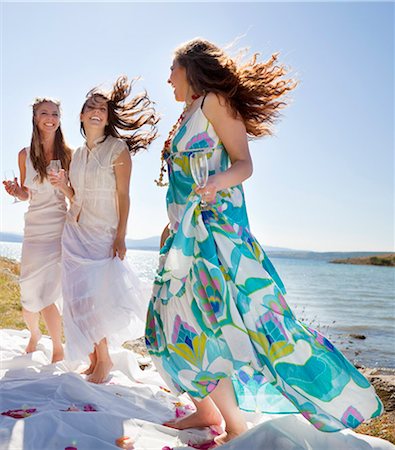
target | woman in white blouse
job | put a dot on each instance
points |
(103, 301)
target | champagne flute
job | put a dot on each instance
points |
(9, 177)
(199, 170)
(54, 167)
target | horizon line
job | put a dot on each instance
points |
(278, 247)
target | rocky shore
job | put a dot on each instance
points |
(387, 260)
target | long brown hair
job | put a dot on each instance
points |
(133, 115)
(255, 90)
(62, 151)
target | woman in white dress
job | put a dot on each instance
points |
(40, 280)
(103, 302)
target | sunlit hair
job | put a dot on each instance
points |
(61, 151)
(255, 90)
(129, 116)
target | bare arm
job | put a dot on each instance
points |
(123, 170)
(233, 135)
(20, 191)
(164, 235)
(23, 192)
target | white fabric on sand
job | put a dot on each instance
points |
(132, 403)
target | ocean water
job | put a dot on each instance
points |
(337, 299)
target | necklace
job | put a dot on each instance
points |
(167, 145)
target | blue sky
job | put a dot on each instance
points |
(324, 182)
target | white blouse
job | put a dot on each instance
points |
(92, 177)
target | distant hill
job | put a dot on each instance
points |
(10, 237)
(152, 243)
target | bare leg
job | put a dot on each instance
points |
(103, 364)
(93, 359)
(31, 319)
(53, 322)
(206, 415)
(224, 398)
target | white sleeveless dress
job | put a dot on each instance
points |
(40, 278)
(102, 295)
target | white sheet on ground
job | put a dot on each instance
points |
(133, 403)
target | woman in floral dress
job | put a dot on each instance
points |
(218, 325)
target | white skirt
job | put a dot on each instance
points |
(103, 298)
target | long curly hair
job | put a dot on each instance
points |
(139, 112)
(254, 90)
(62, 151)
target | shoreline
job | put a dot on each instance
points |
(352, 343)
(374, 260)
(383, 379)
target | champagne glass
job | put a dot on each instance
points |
(199, 170)
(54, 167)
(9, 177)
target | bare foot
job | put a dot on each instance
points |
(57, 354)
(91, 368)
(33, 341)
(226, 437)
(196, 420)
(101, 372)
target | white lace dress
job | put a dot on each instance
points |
(102, 296)
(40, 278)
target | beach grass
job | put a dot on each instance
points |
(10, 305)
(11, 317)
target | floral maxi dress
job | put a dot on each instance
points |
(218, 309)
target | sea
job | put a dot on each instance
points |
(352, 305)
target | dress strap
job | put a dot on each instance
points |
(204, 98)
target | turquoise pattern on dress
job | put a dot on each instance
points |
(218, 309)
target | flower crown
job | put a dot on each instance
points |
(39, 100)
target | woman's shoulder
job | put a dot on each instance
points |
(216, 106)
(22, 155)
(77, 150)
(117, 144)
(214, 100)
(115, 141)
(23, 152)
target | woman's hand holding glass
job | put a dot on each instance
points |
(59, 179)
(209, 191)
(11, 185)
(53, 169)
(206, 187)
